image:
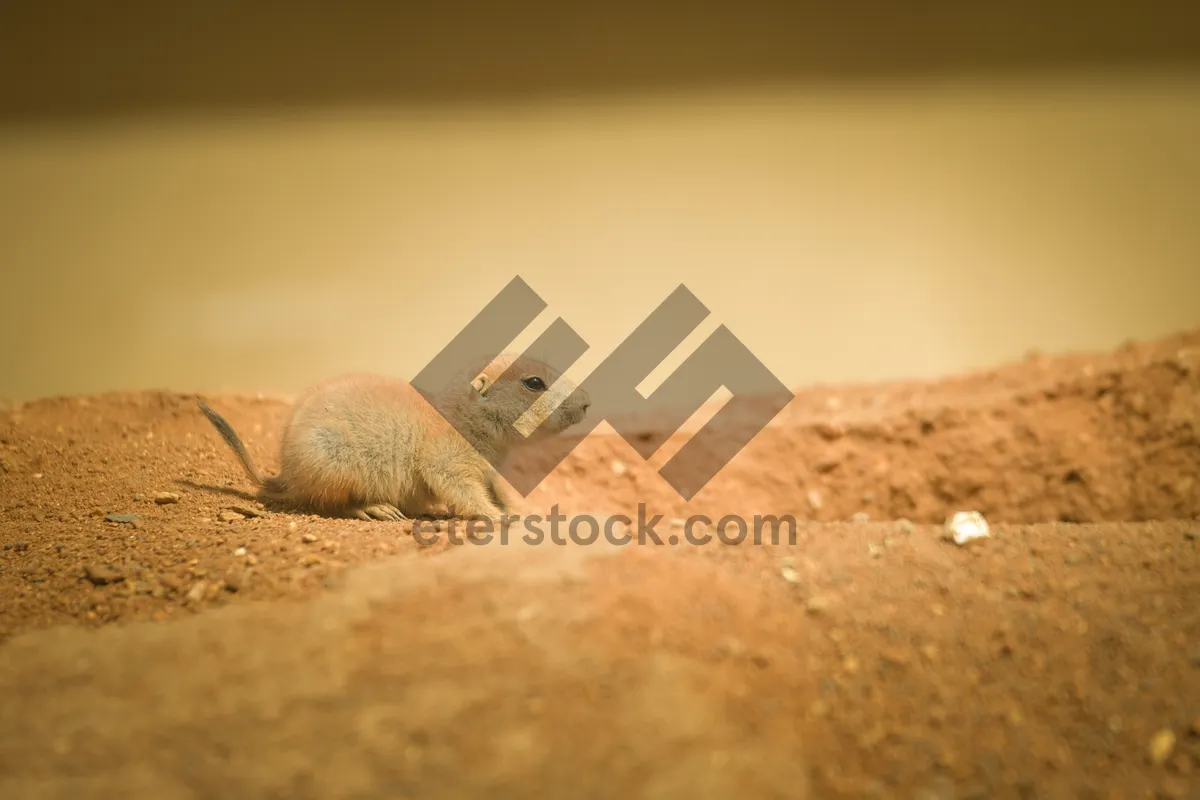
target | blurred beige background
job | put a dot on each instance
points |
(252, 203)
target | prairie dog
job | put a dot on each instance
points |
(372, 447)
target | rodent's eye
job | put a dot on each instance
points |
(534, 384)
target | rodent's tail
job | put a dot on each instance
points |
(271, 484)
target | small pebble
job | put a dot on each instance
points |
(308, 538)
(139, 497)
(905, 526)
(101, 575)
(789, 573)
(196, 593)
(860, 517)
(1162, 744)
(966, 526)
(619, 468)
(121, 518)
(38, 476)
(248, 511)
(814, 499)
(826, 465)
(241, 551)
(676, 523)
(230, 516)
(166, 498)
(817, 604)
(830, 431)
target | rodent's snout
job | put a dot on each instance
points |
(576, 408)
(585, 402)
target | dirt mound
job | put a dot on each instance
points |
(1112, 437)
(164, 635)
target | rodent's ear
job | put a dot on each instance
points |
(481, 384)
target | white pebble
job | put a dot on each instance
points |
(619, 467)
(241, 551)
(967, 525)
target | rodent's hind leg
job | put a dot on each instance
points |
(379, 511)
(499, 497)
(463, 495)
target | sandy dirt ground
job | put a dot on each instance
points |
(163, 635)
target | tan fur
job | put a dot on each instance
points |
(372, 447)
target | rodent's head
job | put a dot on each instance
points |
(523, 399)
